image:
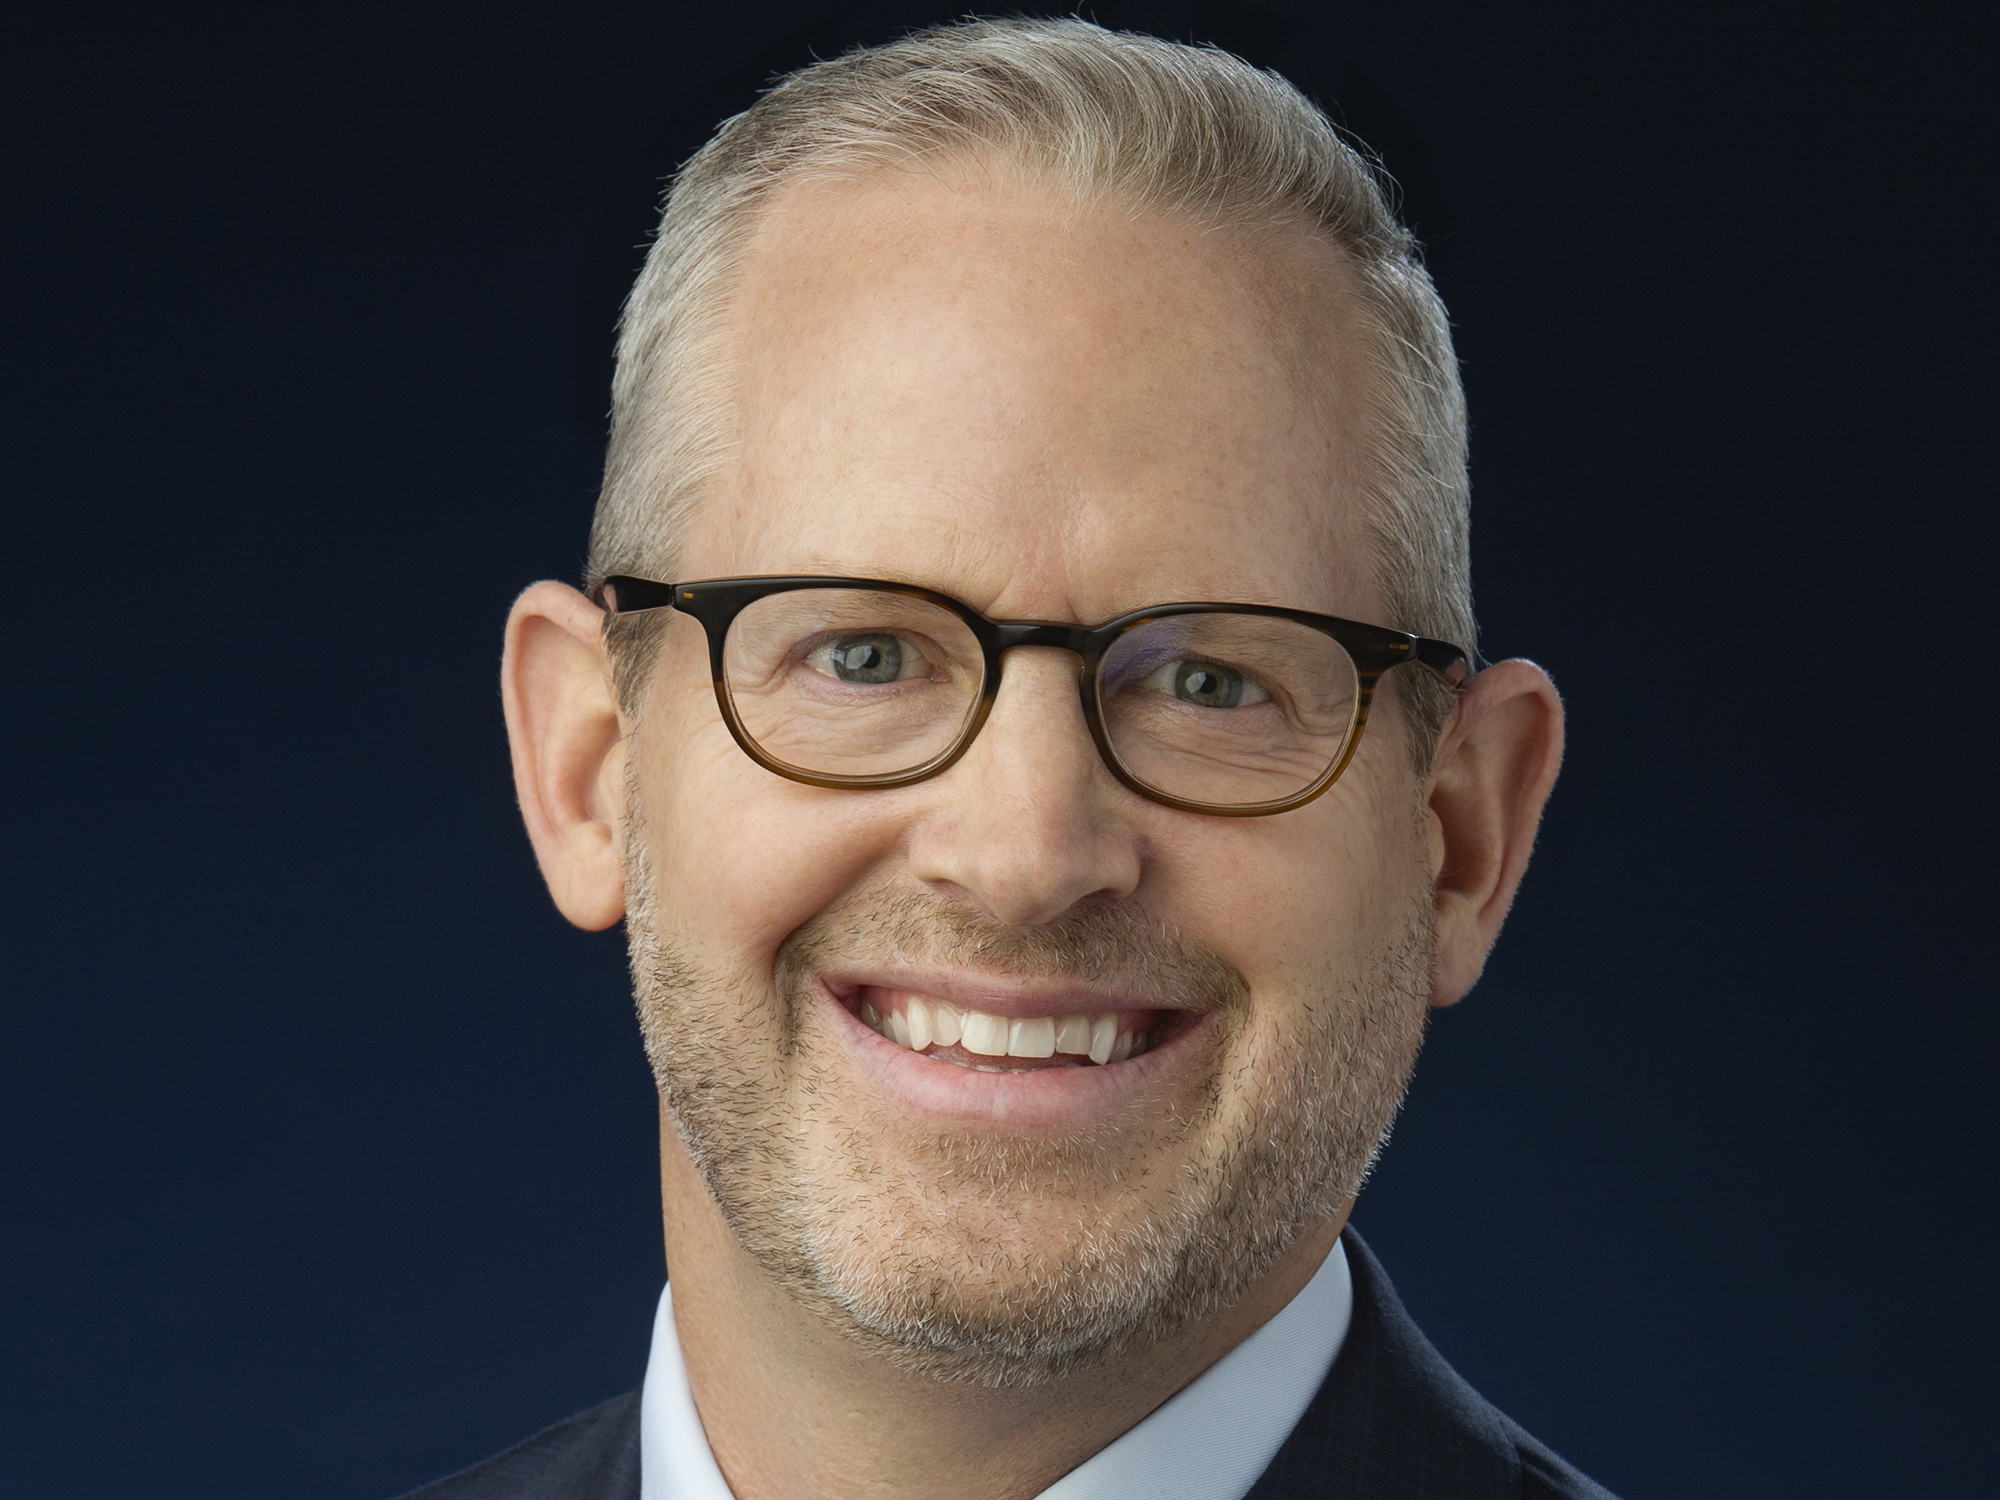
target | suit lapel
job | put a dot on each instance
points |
(1392, 1421)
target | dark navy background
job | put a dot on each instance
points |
(328, 1149)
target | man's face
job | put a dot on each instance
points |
(1054, 411)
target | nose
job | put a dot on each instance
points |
(1031, 823)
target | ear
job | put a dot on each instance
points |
(1484, 798)
(569, 750)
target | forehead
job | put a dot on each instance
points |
(1045, 405)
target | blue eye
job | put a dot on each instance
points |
(867, 658)
(1203, 684)
(1206, 685)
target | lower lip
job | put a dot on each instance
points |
(1027, 1099)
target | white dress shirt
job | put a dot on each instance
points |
(1210, 1442)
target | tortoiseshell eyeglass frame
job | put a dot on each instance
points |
(716, 602)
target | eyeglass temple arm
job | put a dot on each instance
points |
(621, 595)
(1451, 664)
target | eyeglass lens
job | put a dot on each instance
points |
(1227, 709)
(852, 682)
(1217, 708)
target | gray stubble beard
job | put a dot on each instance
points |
(891, 1265)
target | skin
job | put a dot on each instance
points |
(1052, 411)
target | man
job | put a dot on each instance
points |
(1037, 459)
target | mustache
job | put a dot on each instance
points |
(1112, 944)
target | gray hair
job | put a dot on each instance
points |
(1142, 121)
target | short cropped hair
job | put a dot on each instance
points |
(1133, 119)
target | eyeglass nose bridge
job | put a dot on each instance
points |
(1054, 633)
(1086, 645)
(1057, 635)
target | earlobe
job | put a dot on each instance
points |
(568, 749)
(1488, 785)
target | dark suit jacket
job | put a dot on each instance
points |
(1392, 1422)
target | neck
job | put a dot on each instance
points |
(793, 1407)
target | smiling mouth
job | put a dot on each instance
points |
(977, 1039)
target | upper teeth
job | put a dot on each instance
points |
(914, 1022)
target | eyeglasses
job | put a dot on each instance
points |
(1233, 709)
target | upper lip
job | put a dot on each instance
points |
(996, 994)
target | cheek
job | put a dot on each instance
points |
(742, 858)
(1283, 897)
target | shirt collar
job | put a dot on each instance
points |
(1209, 1442)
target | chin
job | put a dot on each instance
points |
(1024, 1297)
(963, 1250)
